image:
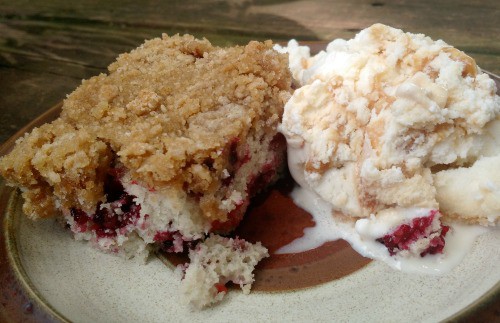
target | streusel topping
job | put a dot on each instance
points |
(167, 112)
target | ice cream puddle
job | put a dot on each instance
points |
(459, 240)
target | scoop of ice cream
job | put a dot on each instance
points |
(379, 121)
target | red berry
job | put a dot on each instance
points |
(221, 288)
(406, 234)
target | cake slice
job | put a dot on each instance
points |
(166, 148)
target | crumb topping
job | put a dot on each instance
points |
(58, 160)
(167, 111)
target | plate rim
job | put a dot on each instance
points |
(15, 262)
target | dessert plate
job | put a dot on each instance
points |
(45, 275)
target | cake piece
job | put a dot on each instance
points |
(396, 122)
(216, 262)
(168, 146)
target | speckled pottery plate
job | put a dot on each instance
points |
(47, 276)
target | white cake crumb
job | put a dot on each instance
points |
(215, 262)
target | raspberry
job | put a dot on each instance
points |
(79, 216)
(221, 288)
(406, 234)
(162, 236)
(106, 221)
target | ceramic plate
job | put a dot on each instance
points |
(45, 275)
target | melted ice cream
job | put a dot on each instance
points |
(361, 235)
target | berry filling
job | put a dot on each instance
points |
(233, 219)
(120, 215)
(221, 288)
(405, 235)
(263, 179)
(255, 183)
(112, 217)
(236, 159)
(173, 241)
(109, 219)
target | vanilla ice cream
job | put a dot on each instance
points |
(386, 119)
(393, 122)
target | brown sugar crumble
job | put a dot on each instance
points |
(169, 113)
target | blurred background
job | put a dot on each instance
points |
(48, 47)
